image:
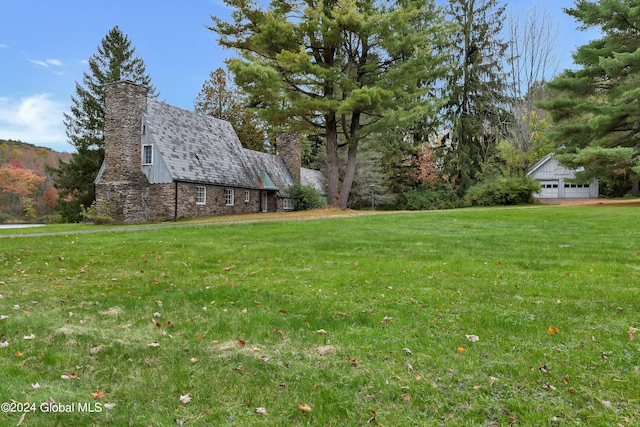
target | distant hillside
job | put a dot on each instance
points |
(26, 186)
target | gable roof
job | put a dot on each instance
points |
(199, 148)
(539, 163)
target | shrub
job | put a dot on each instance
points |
(99, 217)
(306, 197)
(427, 199)
(5, 217)
(502, 191)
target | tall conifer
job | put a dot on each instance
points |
(115, 60)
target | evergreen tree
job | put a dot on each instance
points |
(114, 61)
(341, 69)
(598, 105)
(475, 90)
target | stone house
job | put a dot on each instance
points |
(164, 163)
(556, 181)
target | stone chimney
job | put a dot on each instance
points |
(288, 147)
(125, 102)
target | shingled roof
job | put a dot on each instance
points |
(202, 149)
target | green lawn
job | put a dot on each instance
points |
(488, 317)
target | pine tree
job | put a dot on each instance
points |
(115, 60)
(340, 69)
(475, 89)
(598, 106)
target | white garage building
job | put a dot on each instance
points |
(555, 181)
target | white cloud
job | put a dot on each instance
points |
(3, 46)
(36, 119)
(46, 63)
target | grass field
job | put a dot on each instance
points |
(487, 317)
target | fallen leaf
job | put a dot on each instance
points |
(18, 354)
(98, 395)
(154, 344)
(406, 350)
(199, 336)
(353, 362)
(406, 397)
(261, 410)
(28, 337)
(239, 368)
(552, 330)
(283, 311)
(303, 407)
(472, 338)
(388, 320)
(169, 325)
(109, 405)
(3, 317)
(185, 398)
(4, 342)
(241, 343)
(321, 331)
(461, 350)
(35, 385)
(156, 314)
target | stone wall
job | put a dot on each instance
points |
(216, 201)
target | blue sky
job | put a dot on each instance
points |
(45, 45)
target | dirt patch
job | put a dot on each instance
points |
(580, 202)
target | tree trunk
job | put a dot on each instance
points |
(635, 188)
(333, 198)
(349, 175)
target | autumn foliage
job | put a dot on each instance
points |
(26, 185)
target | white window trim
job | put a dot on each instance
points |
(204, 195)
(247, 196)
(287, 204)
(144, 147)
(229, 196)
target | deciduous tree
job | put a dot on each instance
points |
(219, 99)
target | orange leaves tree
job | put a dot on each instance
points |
(19, 187)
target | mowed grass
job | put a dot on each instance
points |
(355, 321)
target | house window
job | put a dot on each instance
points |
(147, 154)
(201, 195)
(247, 196)
(228, 196)
(288, 204)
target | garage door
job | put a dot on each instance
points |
(548, 189)
(576, 191)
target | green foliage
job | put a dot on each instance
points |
(98, 217)
(475, 90)
(5, 217)
(114, 61)
(502, 191)
(597, 105)
(306, 197)
(430, 198)
(343, 69)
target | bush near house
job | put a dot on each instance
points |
(306, 197)
(502, 191)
